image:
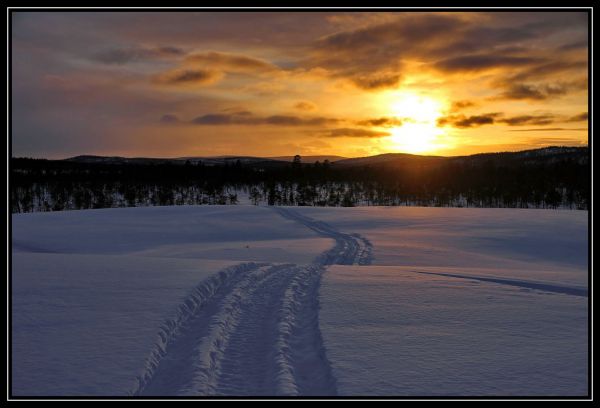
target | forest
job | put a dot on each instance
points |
(543, 178)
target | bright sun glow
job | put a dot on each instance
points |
(419, 132)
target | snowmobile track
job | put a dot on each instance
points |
(252, 329)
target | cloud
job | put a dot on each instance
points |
(352, 132)
(471, 63)
(376, 81)
(462, 121)
(528, 120)
(169, 118)
(460, 105)
(188, 76)
(405, 30)
(450, 42)
(305, 106)
(524, 91)
(371, 57)
(574, 45)
(120, 56)
(214, 119)
(579, 118)
(273, 60)
(547, 69)
(535, 92)
(380, 122)
(556, 141)
(231, 62)
(273, 120)
(548, 129)
(210, 67)
(287, 120)
(541, 91)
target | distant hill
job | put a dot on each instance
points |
(387, 158)
(546, 154)
(209, 161)
(309, 159)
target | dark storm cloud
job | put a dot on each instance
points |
(274, 120)
(122, 56)
(482, 62)
(352, 132)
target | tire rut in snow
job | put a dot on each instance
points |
(244, 326)
(349, 249)
(170, 359)
(252, 329)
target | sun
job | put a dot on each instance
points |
(419, 132)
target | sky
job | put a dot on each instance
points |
(199, 83)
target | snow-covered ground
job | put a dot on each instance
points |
(245, 300)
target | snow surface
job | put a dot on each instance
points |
(245, 300)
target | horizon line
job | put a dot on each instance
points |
(224, 156)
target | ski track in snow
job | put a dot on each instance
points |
(252, 329)
(566, 290)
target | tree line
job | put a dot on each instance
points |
(475, 181)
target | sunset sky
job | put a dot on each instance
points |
(172, 84)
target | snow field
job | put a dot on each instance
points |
(251, 301)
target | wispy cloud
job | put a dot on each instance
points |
(460, 105)
(380, 122)
(305, 106)
(482, 62)
(528, 120)
(559, 129)
(230, 62)
(354, 132)
(188, 76)
(120, 56)
(582, 117)
(462, 121)
(274, 120)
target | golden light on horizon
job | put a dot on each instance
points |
(277, 84)
(419, 132)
